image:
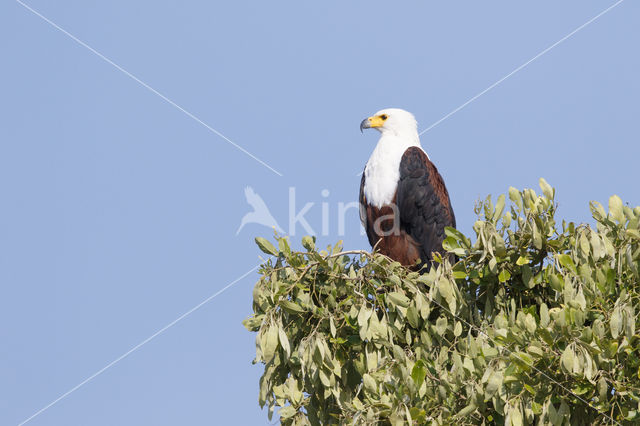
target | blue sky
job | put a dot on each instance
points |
(119, 211)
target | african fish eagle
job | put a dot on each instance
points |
(404, 204)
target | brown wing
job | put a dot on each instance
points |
(423, 202)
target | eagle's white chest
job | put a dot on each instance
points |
(382, 171)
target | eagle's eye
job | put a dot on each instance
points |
(384, 116)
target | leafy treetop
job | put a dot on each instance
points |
(535, 324)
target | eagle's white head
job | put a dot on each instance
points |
(399, 131)
(393, 121)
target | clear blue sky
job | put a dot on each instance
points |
(119, 212)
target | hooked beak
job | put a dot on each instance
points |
(365, 124)
(374, 122)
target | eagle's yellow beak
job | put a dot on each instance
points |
(372, 122)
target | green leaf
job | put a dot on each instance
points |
(615, 208)
(530, 323)
(418, 373)
(291, 307)
(515, 414)
(457, 235)
(332, 327)
(450, 244)
(515, 196)
(598, 328)
(467, 410)
(398, 353)
(611, 349)
(615, 322)
(556, 282)
(504, 276)
(377, 328)
(459, 275)
(566, 261)
(506, 219)
(494, 383)
(370, 384)
(629, 321)
(555, 418)
(413, 317)
(567, 359)
(324, 378)
(287, 412)
(597, 211)
(457, 329)
(269, 343)
(547, 190)
(633, 233)
(602, 389)
(499, 208)
(309, 243)
(445, 289)
(284, 341)
(585, 245)
(266, 246)
(364, 315)
(441, 325)
(253, 323)
(537, 237)
(544, 315)
(399, 299)
(536, 408)
(283, 246)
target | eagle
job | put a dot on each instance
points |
(404, 203)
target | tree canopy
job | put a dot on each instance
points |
(535, 324)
